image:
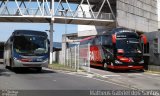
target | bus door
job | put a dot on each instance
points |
(95, 55)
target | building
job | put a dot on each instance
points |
(154, 45)
(139, 15)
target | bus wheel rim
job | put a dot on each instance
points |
(105, 65)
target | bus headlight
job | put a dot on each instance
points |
(141, 62)
(118, 62)
(14, 58)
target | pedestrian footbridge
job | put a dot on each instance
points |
(58, 11)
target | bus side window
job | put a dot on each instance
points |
(107, 40)
(108, 52)
(90, 41)
(97, 41)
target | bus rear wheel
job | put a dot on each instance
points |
(7, 67)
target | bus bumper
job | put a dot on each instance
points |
(18, 63)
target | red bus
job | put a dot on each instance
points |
(119, 48)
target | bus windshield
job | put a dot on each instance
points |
(30, 45)
(129, 45)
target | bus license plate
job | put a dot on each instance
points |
(39, 60)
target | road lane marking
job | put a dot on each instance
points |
(155, 74)
(90, 76)
(54, 80)
(134, 74)
(106, 76)
(111, 75)
(115, 83)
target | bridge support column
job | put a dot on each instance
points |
(51, 30)
(51, 43)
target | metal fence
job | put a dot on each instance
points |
(84, 57)
(77, 57)
(72, 57)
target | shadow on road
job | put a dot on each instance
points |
(31, 71)
(4, 72)
(119, 71)
(127, 71)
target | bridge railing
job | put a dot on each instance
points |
(38, 12)
(88, 15)
(24, 12)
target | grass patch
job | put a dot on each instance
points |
(154, 72)
(57, 66)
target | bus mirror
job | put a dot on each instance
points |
(144, 38)
(114, 39)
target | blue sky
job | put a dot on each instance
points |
(6, 29)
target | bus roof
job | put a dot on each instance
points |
(87, 38)
(29, 32)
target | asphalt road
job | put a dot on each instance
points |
(49, 80)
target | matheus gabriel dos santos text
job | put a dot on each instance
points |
(124, 92)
